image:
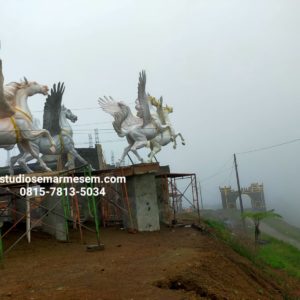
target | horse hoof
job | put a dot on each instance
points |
(183, 144)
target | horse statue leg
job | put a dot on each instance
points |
(181, 137)
(31, 151)
(155, 148)
(173, 138)
(75, 154)
(39, 159)
(34, 134)
(22, 162)
(26, 149)
(137, 155)
(28, 136)
(70, 164)
(13, 161)
(137, 145)
(125, 152)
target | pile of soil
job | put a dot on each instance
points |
(180, 263)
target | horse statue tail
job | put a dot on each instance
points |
(120, 117)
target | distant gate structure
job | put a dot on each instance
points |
(255, 191)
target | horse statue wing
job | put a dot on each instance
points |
(52, 109)
(123, 118)
(109, 105)
(142, 104)
(5, 109)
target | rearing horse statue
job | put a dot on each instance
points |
(16, 123)
(55, 120)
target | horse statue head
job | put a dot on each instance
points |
(30, 88)
(69, 114)
(15, 92)
(168, 109)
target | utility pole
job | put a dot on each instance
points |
(238, 184)
(201, 198)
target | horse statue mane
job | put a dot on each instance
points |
(52, 109)
(159, 107)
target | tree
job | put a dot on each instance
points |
(256, 217)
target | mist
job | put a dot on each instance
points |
(228, 68)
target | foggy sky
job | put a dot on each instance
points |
(229, 68)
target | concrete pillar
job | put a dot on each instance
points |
(163, 200)
(101, 161)
(54, 222)
(143, 203)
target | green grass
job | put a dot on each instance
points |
(281, 255)
(224, 234)
(277, 254)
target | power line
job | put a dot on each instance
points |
(81, 143)
(246, 152)
(83, 108)
(270, 147)
(230, 175)
(95, 123)
(107, 141)
(220, 171)
(108, 130)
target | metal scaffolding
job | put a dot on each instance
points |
(71, 212)
(175, 187)
(112, 206)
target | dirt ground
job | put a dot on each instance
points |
(180, 263)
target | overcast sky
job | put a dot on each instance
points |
(229, 68)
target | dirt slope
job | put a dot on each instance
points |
(179, 263)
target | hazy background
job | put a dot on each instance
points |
(229, 68)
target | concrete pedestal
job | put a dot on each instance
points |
(143, 203)
(55, 222)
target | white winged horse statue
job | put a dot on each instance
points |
(55, 121)
(16, 123)
(140, 129)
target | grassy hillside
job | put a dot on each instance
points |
(275, 253)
